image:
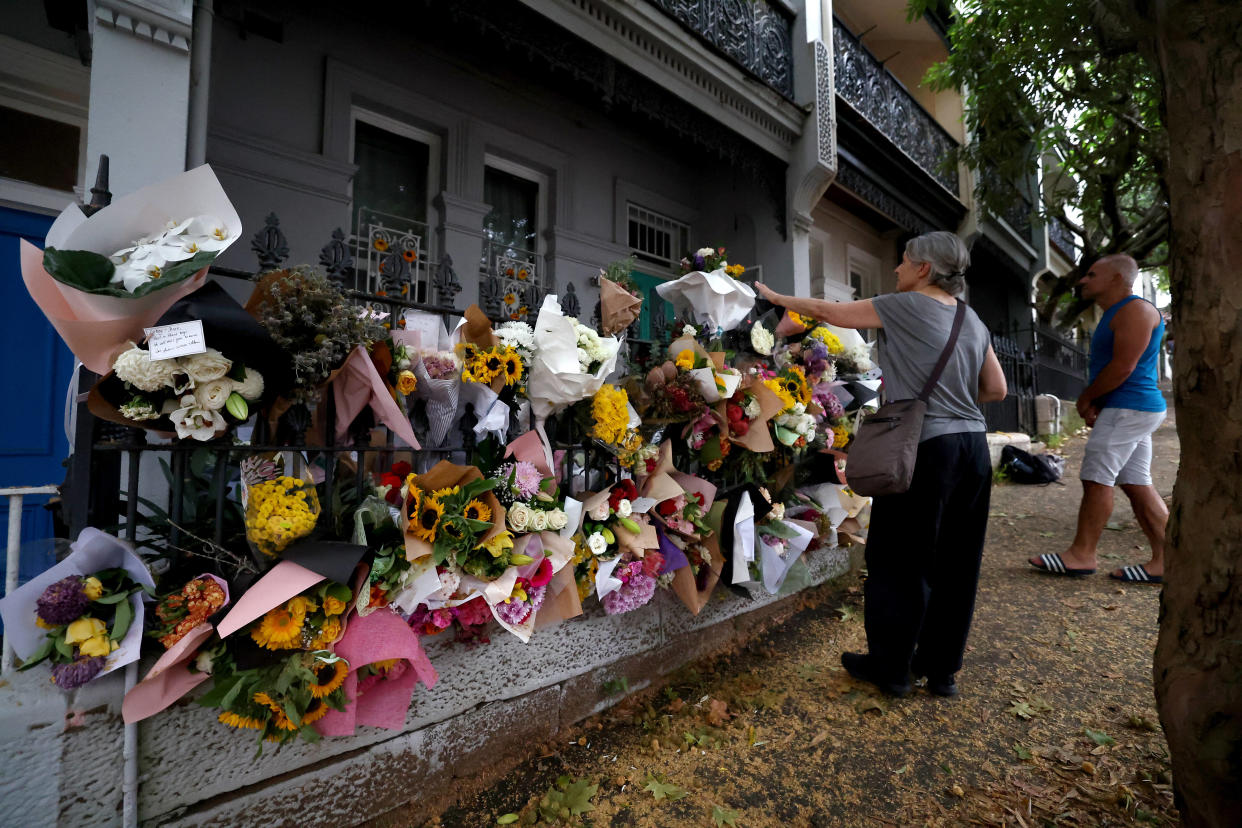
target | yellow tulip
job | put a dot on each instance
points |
(85, 628)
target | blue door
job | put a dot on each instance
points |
(36, 370)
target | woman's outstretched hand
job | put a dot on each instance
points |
(769, 294)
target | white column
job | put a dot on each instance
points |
(140, 90)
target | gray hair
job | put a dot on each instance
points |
(947, 256)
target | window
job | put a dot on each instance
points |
(392, 173)
(656, 238)
(39, 150)
(514, 219)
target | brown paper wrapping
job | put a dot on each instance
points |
(685, 585)
(445, 475)
(759, 437)
(561, 601)
(618, 307)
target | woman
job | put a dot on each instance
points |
(925, 545)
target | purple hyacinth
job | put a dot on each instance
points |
(74, 675)
(633, 594)
(63, 602)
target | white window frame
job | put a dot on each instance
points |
(25, 71)
(397, 127)
(541, 180)
(675, 254)
(865, 265)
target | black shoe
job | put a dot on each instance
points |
(946, 687)
(860, 667)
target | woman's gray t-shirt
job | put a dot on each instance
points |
(916, 329)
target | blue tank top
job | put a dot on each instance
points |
(1140, 391)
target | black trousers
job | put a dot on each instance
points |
(923, 553)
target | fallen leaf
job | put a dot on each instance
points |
(957, 791)
(1022, 710)
(1099, 737)
(819, 737)
(717, 713)
(664, 790)
(722, 817)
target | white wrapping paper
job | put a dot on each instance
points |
(715, 298)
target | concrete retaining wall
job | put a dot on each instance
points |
(63, 762)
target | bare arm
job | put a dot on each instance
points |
(1132, 327)
(992, 385)
(842, 314)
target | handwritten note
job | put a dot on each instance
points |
(181, 339)
(428, 327)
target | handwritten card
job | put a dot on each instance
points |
(181, 339)
(429, 329)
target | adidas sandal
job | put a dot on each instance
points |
(1136, 574)
(1053, 565)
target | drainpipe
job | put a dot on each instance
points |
(200, 83)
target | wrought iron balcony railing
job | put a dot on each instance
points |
(873, 92)
(1063, 239)
(512, 282)
(755, 34)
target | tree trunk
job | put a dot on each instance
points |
(1198, 666)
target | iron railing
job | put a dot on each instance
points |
(755, 34)
(1063, 239)
(13, 551)
(877, 95)
(512, 282)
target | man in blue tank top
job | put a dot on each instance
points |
(1123, 405)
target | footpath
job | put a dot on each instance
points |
(1056, 722)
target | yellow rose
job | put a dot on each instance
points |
(83, 629)
(92, 587)
(406, 382)
(333, 606)
(97, 645)
(685, 360)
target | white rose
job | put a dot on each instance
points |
(625, 508)
(519, 517)
(557, 520)
(538, 521)
(600, 511)
(705, 252)
(207, 366)
(214, 394)
(689, 330)
(597, 544)
(251, 387)
(203, 661)
(136, 367)
(192, 421)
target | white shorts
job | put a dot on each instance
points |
(1118, 452)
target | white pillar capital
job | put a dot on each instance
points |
(165, 22)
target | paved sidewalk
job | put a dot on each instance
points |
(1056, 721)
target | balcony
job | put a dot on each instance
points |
(755, 34)
(1065, 241)
(875, 94)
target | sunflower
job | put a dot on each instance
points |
(281, 628)
(315, 712)
(477, 510)
(409, 255)
(380, 243)
(280, 719)
(328, 677)
(426, 520)
(242, 722)
(494, 364)
(414, 501)
(513, 368)
(385, 665)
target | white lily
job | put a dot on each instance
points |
(191, 420)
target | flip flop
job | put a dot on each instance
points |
(1053, 565)
(1136, 574)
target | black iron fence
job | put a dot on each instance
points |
(1053, 364)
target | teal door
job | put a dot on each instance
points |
(657, 315)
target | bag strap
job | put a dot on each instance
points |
(958, 318)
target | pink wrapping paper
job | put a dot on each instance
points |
(378, 637)
(358, 384)
(283, 581)
(96, 330)
(530, 448)
(169, 678)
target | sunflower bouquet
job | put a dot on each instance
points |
(312, 620)
(451, 513)
(280, 701)
(501, 365)
(85, 617)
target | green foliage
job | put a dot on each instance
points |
(617, 687)
(723, 816)
(1062, 85)
(1099, 737)
(92, 273)
(663, 790)
(567, 799)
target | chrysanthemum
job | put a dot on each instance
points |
(477, 510)
(425, 522)
(280, 629)
(328, 677)
(62, 602)
(242, 722)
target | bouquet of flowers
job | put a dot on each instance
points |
(439, 384)
(620, 302)
(529, 498)
(570, 364)
(101, 280)
(279, 508)
(85, 618)
(181, 611)
(451, 513)
(311, 620)
(708, 259)
(470, 619)
(281, 700)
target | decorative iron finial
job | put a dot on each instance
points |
(444, 279)
(570, 305)
(101, 196)
(270, 244)
(336, 258)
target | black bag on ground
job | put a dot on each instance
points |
(1024, 467)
